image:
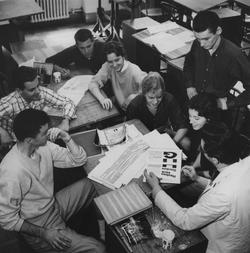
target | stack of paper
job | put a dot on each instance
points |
(163, 27)
(128, 161)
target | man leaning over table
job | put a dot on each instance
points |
(125, 77)
(29, 94)
(214, 64)
(86, 53)
(27, 200)
(222, 211)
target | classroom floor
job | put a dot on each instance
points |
(44, 42)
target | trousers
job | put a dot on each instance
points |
(68, 202)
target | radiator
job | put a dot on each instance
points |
(53, 10)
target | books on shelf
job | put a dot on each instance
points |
(123, 203)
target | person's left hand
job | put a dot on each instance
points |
(57, 133)
(153, 181)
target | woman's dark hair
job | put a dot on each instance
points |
(28, 123)
(206, 20)
(114, 47)
(152, 81)
(206, 105)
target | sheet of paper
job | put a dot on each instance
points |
(163, 27)
(185, 36)
(164, 42)
(165, 164)
(75, 88)
(28, 63)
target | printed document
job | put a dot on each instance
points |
(75, 88)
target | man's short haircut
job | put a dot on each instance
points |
(24, 74)
(114, 47)
(206, 20)
(28, 123)
(83, 35)
(221, 142)
(152, 82)
(205, 104)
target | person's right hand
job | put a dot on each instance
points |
(189, 171)
(56, 238)
(64, 72)
(191, 91)
(106, 104)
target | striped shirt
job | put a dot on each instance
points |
(14, 103)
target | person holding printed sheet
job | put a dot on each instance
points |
(222, 210)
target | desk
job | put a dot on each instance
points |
(190, 239)
(89, 110)
(130, 27)
(11, 9)
(149, 53)
(198, 5)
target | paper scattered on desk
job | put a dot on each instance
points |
(163, 27)
(75, 88)
(164, 42)
(128, 161)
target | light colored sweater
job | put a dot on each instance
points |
(27, 186)
(126, 83)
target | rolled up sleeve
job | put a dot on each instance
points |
(63, 158)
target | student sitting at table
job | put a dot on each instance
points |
(222, 210)
(125, 77)
(158, 109)
(86, 53)
(30, 95)
(28, 203)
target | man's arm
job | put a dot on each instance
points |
(240, 71)
(53, 236)
(204, 212)
(98, 82)
(180, 134)
(72, 155)
(188, 71)
(57, 101)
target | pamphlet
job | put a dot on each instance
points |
(165, 164)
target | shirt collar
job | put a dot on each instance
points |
(125, 65)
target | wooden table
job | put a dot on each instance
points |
(189, 238)
(89, 111)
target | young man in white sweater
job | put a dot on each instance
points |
(125, 77)
(27, 201)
